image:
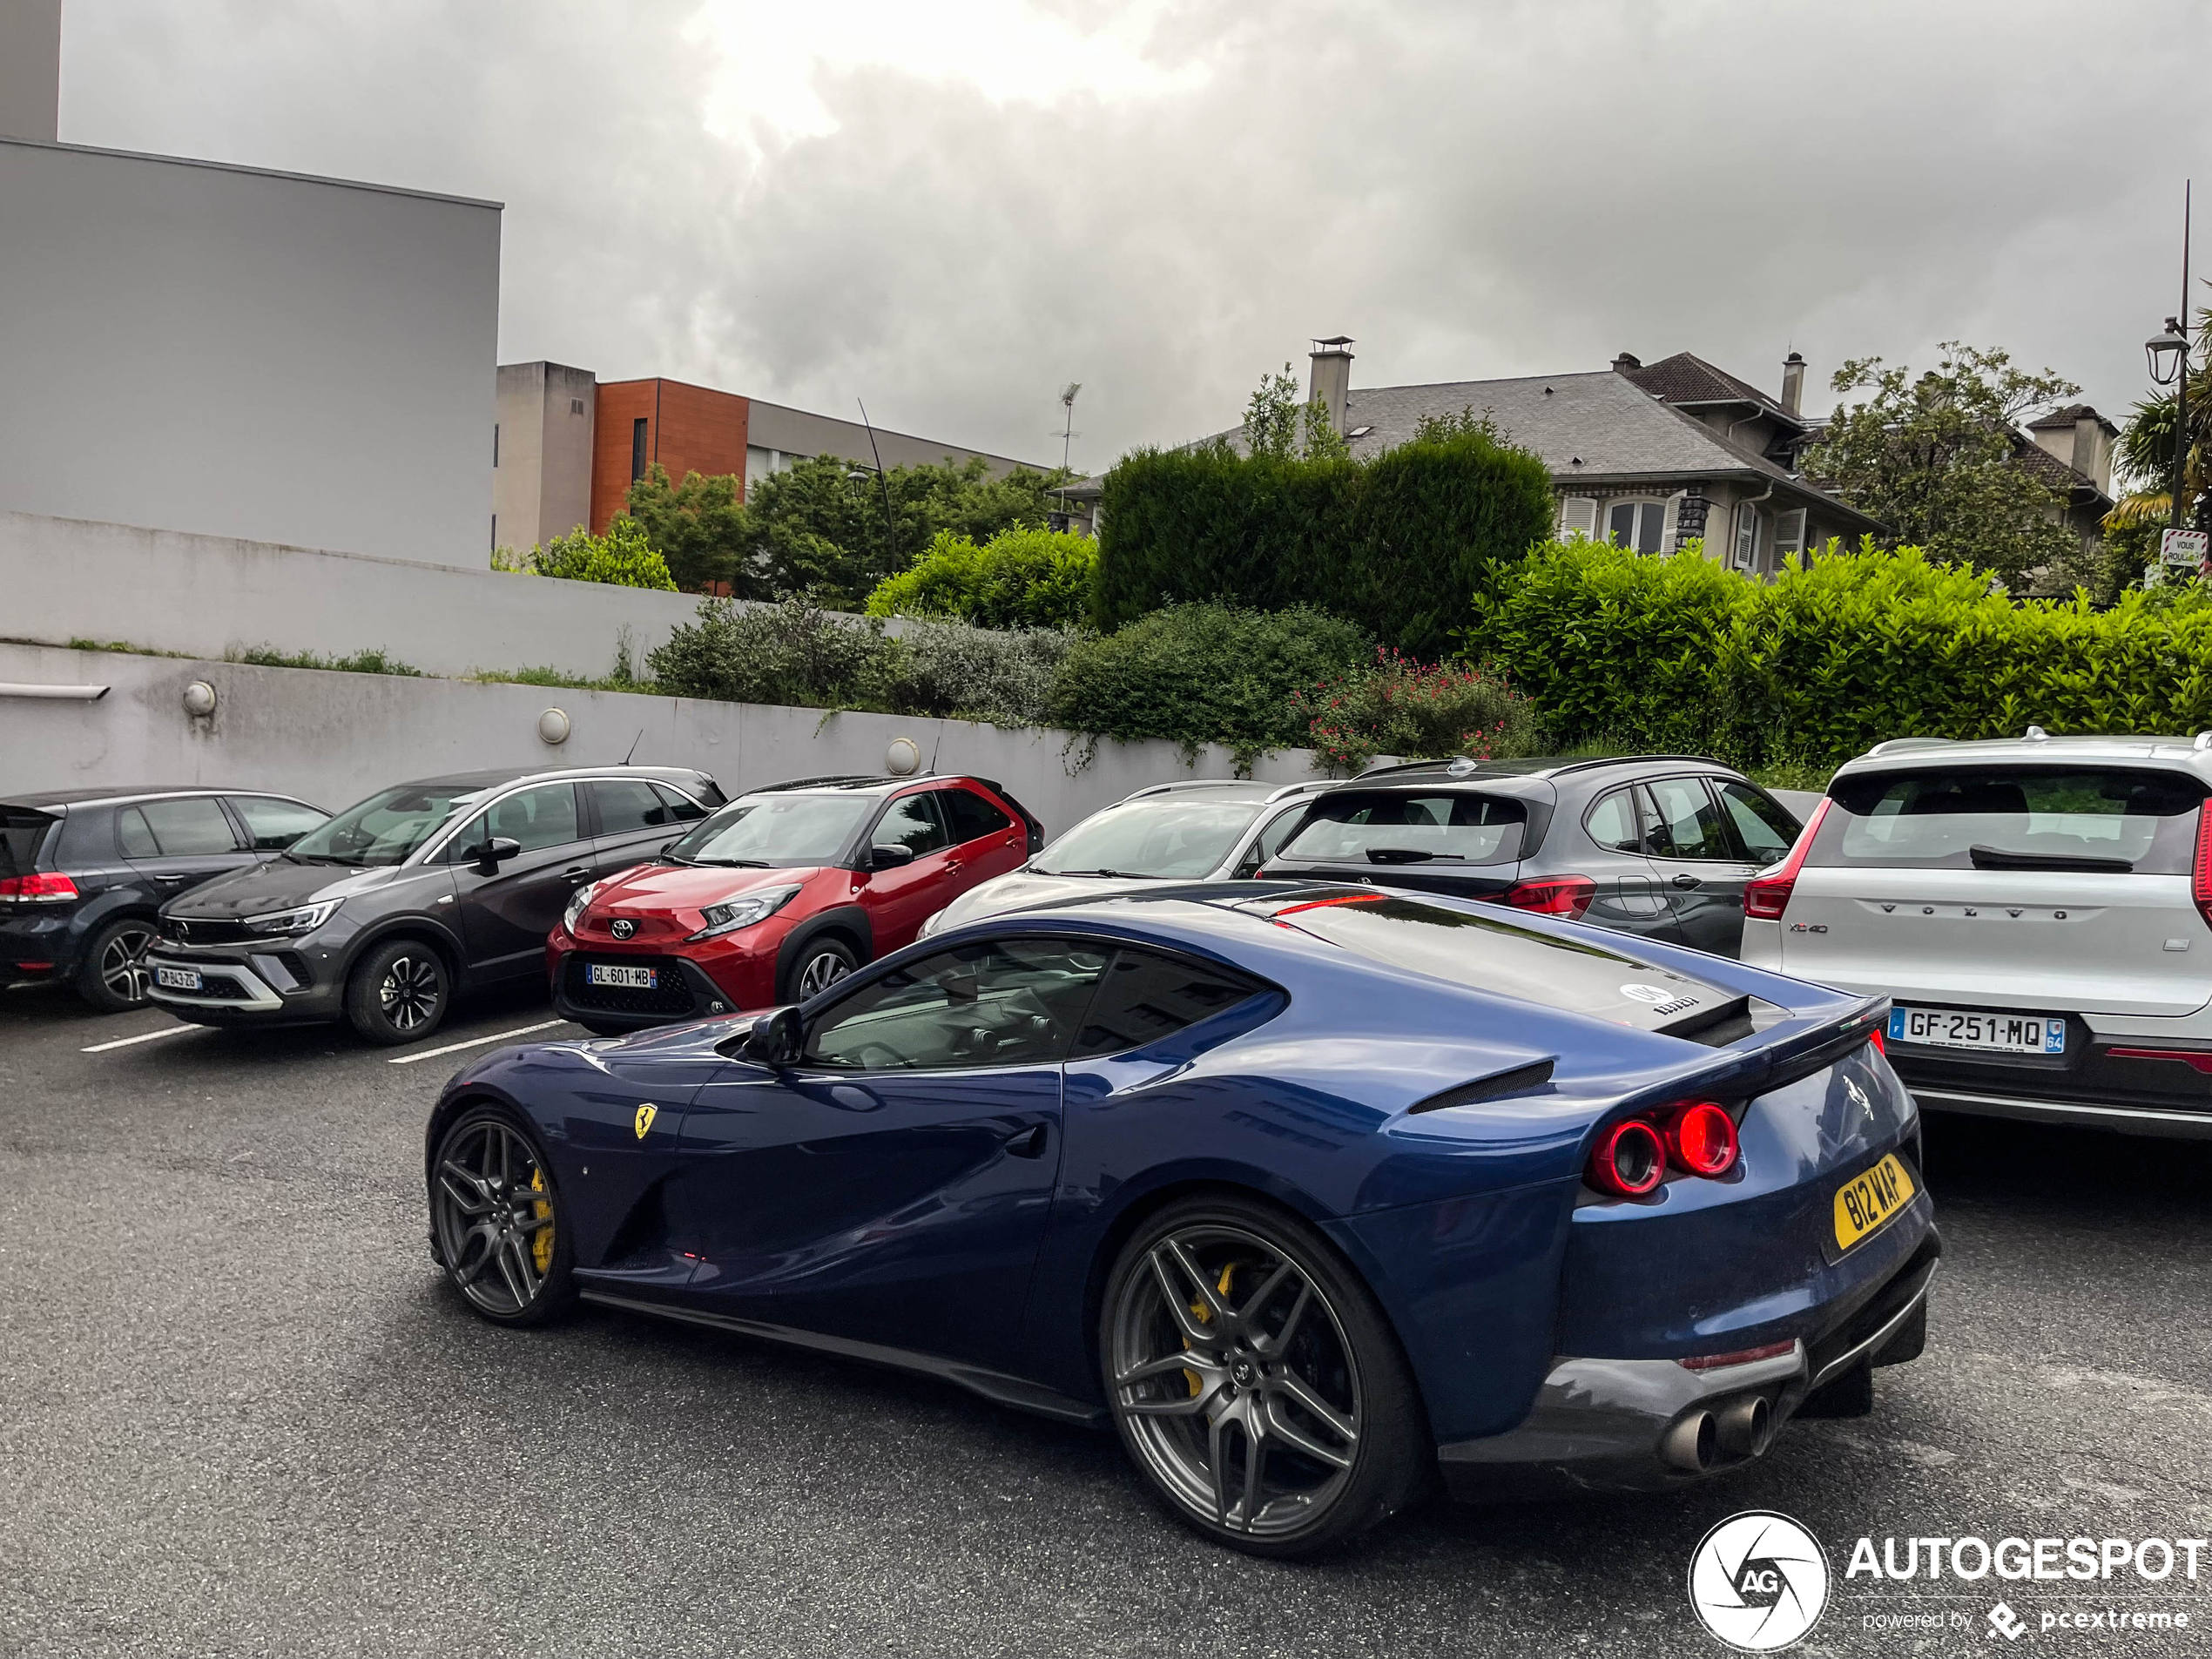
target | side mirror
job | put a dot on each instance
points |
(496, 851)
(776, 1039)
(885, 855)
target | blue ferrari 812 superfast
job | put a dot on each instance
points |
(1316, 1194)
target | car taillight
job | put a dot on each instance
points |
(1766, 897)
(1880, 1047)
(1629, 1159)
(41, 887)
(2200, 874)
(1701, 1139)
(1552, 896)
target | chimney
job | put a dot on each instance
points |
(2092, 450)
(30, 70)
(1332, 381)
(1626, 361)
(1793, 383)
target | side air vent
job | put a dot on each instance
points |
(1521, 1079)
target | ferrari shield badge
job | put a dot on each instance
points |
(645, 1116)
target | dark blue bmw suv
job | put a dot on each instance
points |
(83, 871)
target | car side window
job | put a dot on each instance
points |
(273, 825)
(539, 818)
(629, 806)
(682, 809)
(1147, 995)
(132, 838)
(997, 1002)
(1682, 822)
(177, 829)
(1763, 828)
(912, 822)
(1612, 822)
(971, 816)
(1270, 841)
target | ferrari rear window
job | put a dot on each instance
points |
(2084, 819)
(1461, 827)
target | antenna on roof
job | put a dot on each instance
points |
(634, 742)
(1068, 425)
(890, 525)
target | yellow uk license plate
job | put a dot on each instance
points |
(1867, 1200)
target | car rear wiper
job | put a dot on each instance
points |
(1995, 857)
(1406, 855)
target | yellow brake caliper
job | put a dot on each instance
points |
(541, 1240)
(1204, 1316)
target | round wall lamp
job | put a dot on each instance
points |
(199, 699)
(903, 759)
(553, 726)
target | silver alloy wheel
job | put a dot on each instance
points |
(122, 964)
(410, 992)
(1235, 1381)
(492, 1204)
(823, 970)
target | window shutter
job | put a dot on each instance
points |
(1578, 517)
(1789, 533)
(1747, 536)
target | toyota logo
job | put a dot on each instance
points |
(622, 929)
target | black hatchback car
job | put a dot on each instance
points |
(82, 872)
(1655, 845)
(421, 892)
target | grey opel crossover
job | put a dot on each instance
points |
(421, 893)
(1655, 845)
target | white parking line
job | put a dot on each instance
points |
(473, 1042)
(143, 1036)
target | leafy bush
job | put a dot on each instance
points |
(1019, 579)
(793, 653)
(1395, 544)
(1835, 656)
(1205, 673)
(953, 669)
(1416, 710)
(623, 558)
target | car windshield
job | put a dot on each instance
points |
(1160, 835)
(2114, 818)
(1458, 828)
(387, 826)
(777, 830)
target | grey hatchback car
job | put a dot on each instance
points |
(1656, 845)
(422, 892)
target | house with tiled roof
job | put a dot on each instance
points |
(1651, 455)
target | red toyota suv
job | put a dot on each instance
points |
(782, 891)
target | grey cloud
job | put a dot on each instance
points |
(1470, 190)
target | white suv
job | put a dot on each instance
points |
(2039, 909)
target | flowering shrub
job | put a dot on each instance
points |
(1418, 710)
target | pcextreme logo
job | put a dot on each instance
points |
(1758, 1581)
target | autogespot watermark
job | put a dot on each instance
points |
(1760, 1581)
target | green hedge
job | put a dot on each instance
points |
(1395, 544)
(1833, 657)
(1019, 579)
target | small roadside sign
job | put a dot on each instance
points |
(2183, 546)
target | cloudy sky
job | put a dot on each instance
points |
(950, 210)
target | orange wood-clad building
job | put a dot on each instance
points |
(641, 423)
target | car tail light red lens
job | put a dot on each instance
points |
(1880, 1047)
(1701, 1139)
(41, 887)
(1767, 896)
(1740, 1357)
(1552, 896)
(2200, 876)
(1629, 1159)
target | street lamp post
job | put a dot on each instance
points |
(2169, 354)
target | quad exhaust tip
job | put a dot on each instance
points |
(1741, 1428)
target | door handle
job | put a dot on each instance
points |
(1029, 1144)
(574, 873)
(1687, 880)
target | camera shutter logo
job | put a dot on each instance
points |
(1758, 1581)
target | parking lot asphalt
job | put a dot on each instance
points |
(239, 1414)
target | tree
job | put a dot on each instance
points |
(1278, 426)
(821, 527)
(1932, 457)
(622, 558)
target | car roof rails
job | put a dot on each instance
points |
(1895, 744)
(1289, 790)
(825, 781)
(1185, 783)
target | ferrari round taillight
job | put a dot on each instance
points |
(1629, 1159)
(1701, 1139)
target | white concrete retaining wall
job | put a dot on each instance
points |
(333, 738)
(68, 578)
